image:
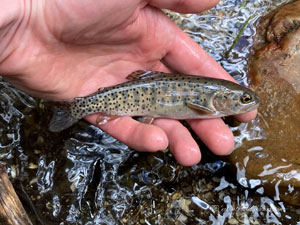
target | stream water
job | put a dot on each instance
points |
(84, 176)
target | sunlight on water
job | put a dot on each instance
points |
(84, 176)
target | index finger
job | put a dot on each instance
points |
(184, 6)
(139, 136)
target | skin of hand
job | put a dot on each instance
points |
(65, 49)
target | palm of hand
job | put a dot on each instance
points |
(89, 49)
(72, 48)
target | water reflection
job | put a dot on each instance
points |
(84, 176)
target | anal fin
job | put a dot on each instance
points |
(147, 119)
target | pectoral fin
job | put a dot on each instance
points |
(200, 109)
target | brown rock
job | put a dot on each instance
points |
(274, 158)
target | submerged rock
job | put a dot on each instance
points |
(270, 154)
(277, 50)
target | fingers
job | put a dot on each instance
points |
(246, 117)
(139, 136)
(150, 138)
(182, 145)
(184, 6)
(186, 56)
(215, 135)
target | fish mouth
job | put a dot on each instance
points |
(257, 99)
(252, 107)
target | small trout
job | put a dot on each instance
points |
(155, 94)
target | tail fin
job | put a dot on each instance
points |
(62, 118)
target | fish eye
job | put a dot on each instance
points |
(246, 98)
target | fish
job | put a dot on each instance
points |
(153, 94)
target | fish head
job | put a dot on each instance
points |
(231, 102)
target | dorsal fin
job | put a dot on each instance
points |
(94, 93)
(143, 74)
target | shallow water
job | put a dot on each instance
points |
(84, 176)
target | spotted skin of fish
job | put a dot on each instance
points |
(156, 94)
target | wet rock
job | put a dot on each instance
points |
(277, 47)
(271, 144)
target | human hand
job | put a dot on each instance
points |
(65, 49)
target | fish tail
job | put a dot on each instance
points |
(62, 117)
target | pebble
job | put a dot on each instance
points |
(32, 166)
(221, 195)
(182, 218)
(216, 179)
(176, 196)
(233, 191)
(233, 221)
(184, 204)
